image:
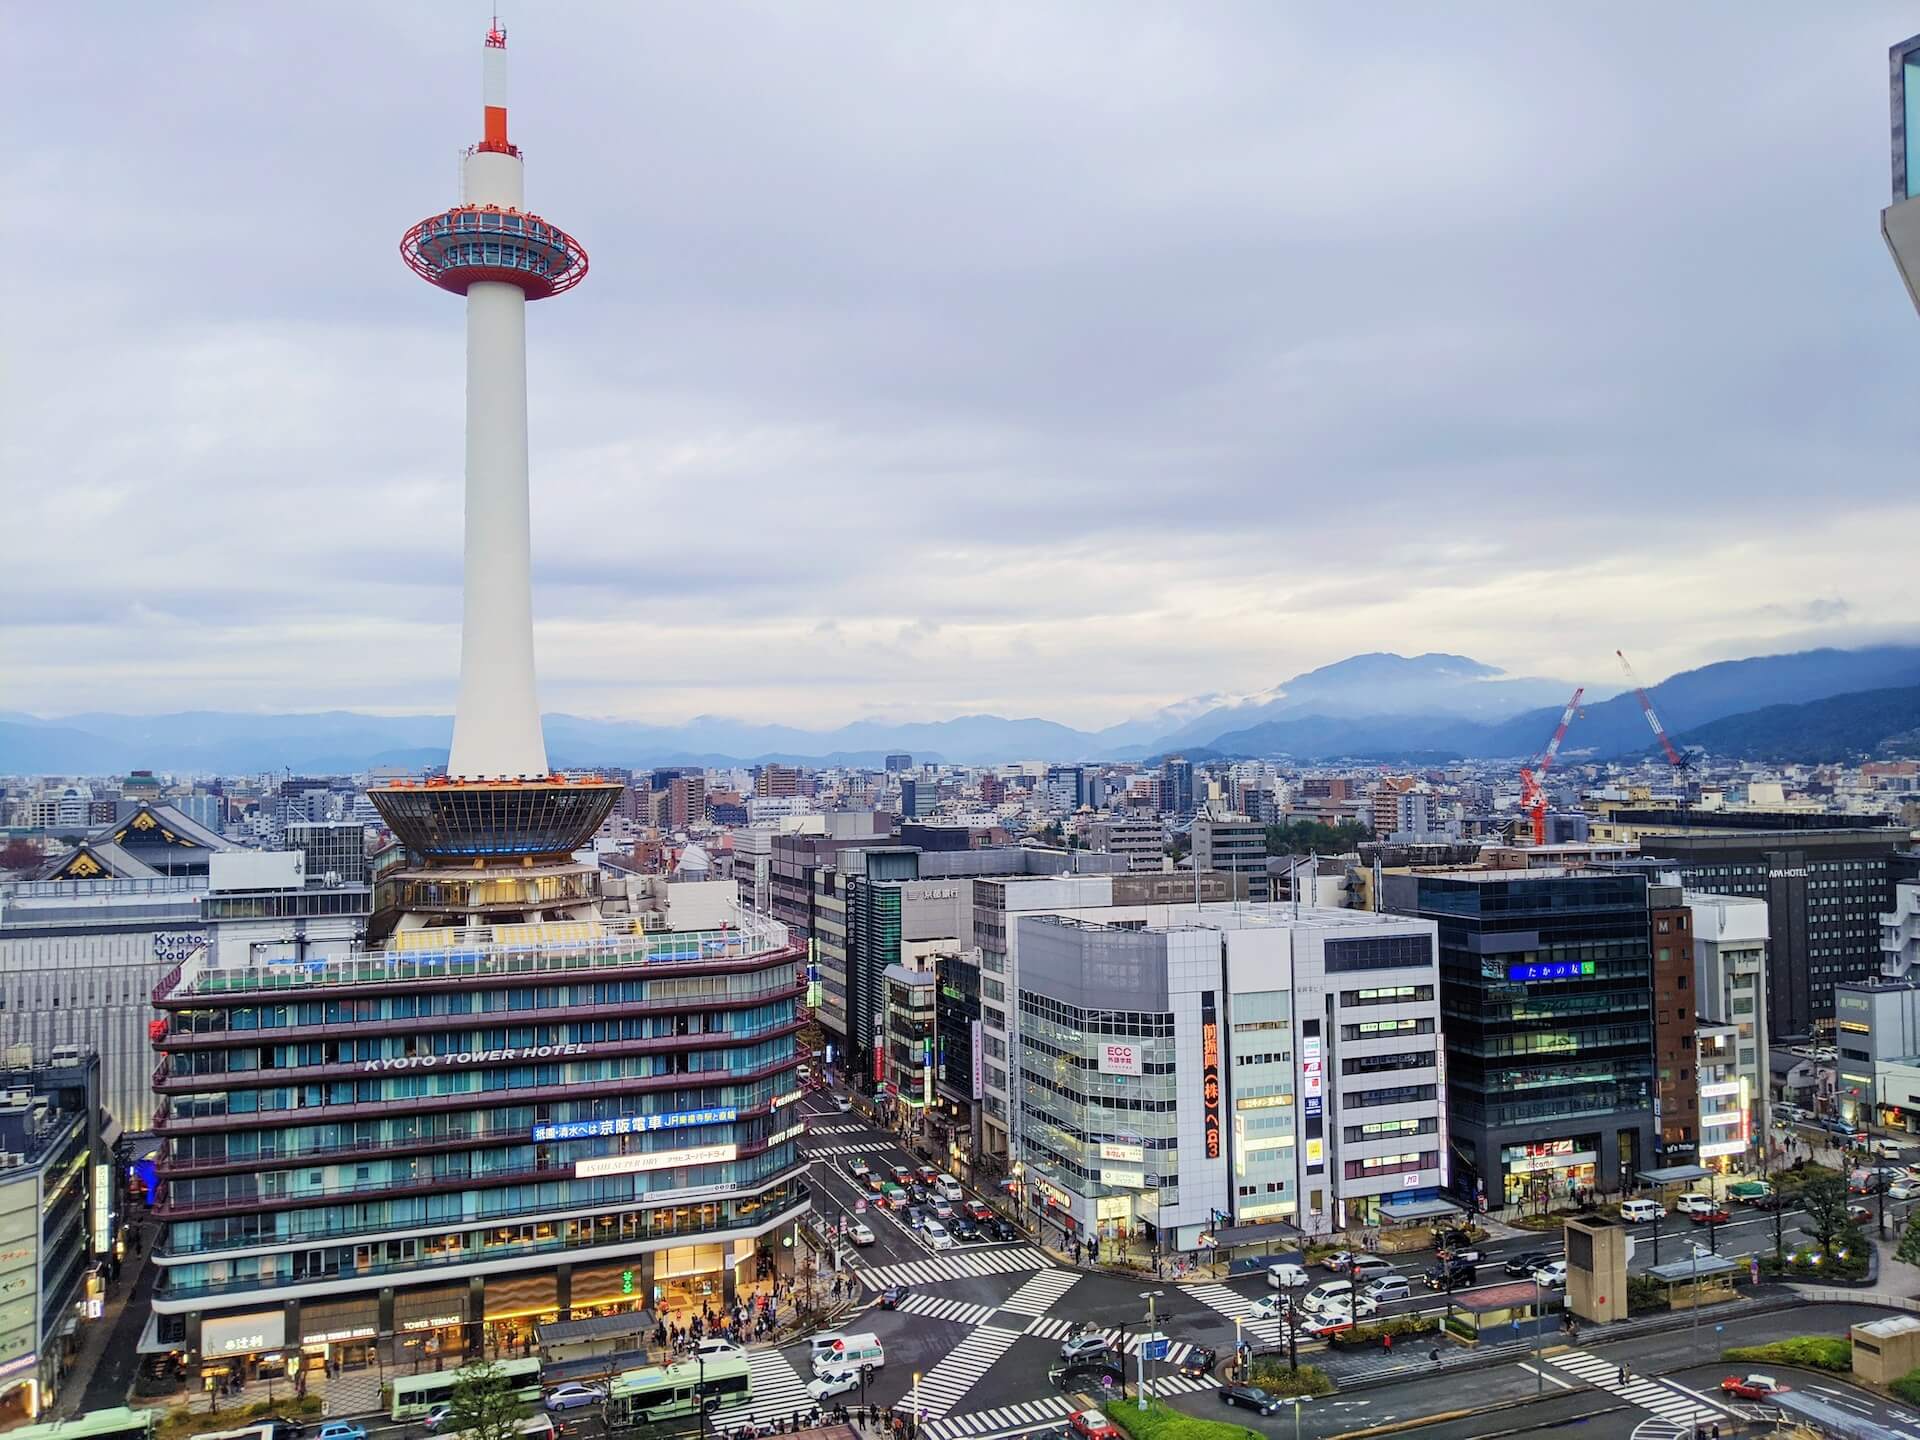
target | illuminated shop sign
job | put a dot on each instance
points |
(475, 1057)
(653, 1160)
(1210, 1074)
(635, 1124)
(1557, 970)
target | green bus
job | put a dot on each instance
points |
(120, 1423)
(640, 1397)
(415, 1395)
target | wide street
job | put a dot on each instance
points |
(980, 1325)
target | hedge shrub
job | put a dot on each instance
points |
(1832, 1353)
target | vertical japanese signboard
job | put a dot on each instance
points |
(1210, 1073)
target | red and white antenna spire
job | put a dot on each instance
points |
(493, 92)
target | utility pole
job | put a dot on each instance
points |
(1150, 1296)
(1656, 1235)
(1539, 1382)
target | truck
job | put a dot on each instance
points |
(1750, 1192)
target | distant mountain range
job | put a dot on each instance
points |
(1378, 706)
(1842, 727)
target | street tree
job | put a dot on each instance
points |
(1909, 1251)
(1824, 1198)
(484, 1406)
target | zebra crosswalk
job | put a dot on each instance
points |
(778, 1391)
(1046, 1327)
(940, 1388)
(1664, 1399)
(934, 1307)
(956, 1265)
(1235, 1306)
(835, 1129)
(816, 1152)
(1009, 1418)
(1041, 1292)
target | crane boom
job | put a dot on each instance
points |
(1646, 706)
(1533, 799)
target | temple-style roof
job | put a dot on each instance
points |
(154, 840)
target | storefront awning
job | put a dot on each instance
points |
(1406, 1212)
(1274, 1232)
(594, 1327)
(1672, 1175)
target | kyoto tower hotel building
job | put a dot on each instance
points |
(505, 1108)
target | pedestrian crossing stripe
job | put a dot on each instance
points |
(936, 1308)
(940, 1388)
(1128, 1342)
(1007, 1419)
(1041, 1292)
(778, 1391)
(1235, 1306)
(817, 1151)
(1662, 1399)
(957, 1265)
(834, 1129)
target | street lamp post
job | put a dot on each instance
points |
(1539, 1381)
(1150, 1296)
(1298, 1401)
(916, 1398)
(1696, 1292)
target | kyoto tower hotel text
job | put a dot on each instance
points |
(504, 1107)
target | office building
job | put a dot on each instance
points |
(1676, 1028)
(1900, 934)
(1066, 787)
(1730, 984)
(1176, 786)
(1210, 1067)
(1546, 990)
(897, 764)
(1825, 878)
(335, 850)
(1233, 845)
(1140, 841)
(780, 782)
(907, 1062)
(59, 1218)
(959, 1084)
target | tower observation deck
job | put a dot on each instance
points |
(500, 803)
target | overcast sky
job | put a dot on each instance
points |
(1057, 359)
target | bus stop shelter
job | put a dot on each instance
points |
(1505, 1312)
(1698, 1280)
(1671, 1177)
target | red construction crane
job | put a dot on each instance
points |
(1674, 757)
(1533, 799)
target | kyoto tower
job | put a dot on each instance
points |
(498, 805)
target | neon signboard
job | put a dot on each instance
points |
(1555, 970)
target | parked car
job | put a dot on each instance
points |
(1250, 1397)
(860, 1233)
(1092, 1425)
(834, 1382)
(1751, 1387)
(1692, 1201)
(1082, 1348)
(891, 1297)
(1199, 1361)
(1552, 1276)
(571, 1396)
(1526, 1262)
(1286, 1276)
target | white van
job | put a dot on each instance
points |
(1329, 1295)
(851, 1352)
(1694, 1203)
(1642, 1210)
(948, 1188)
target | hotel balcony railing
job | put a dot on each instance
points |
(178, 1037)
(171, 1166)
(167, 1123)
(258, 1283)
(164, 1081)
(473, 954)
(168, 1209)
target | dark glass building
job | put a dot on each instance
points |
(1546, 982)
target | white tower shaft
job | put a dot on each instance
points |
(496, 727)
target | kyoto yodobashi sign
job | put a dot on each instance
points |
(1115, 1058)
(635, 1124)
(507, 1056)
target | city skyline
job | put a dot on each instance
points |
(1036, 379)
